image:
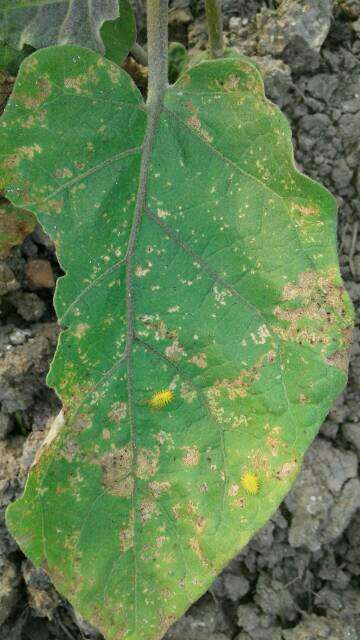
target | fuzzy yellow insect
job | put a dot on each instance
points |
(250, 482)
(161, 398)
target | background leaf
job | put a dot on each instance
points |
(239, 315)
(40, 23)
(15, 225)
(178, 57)
(119, 35)
(11, 58)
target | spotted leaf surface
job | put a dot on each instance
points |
(205, 327)
(40, 23)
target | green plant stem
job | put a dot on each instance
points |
(139, 54)
(157, 32)
(215, 27)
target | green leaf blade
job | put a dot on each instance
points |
(41, 23)
(238, 307)
(119, 35)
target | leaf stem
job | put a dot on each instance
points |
(215, 27)
(139, 54)
(157, 33)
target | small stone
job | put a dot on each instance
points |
(322, 86)
(294, 22)
(333, 466)
(43, 598)
(248, 616)
(234, 23)
(39, 274)
(339, 411)
(357, 181)
(9, 588)
(19, 336)
(350, 7)
(235, 586)
(29, 306)
(349, 127)
(344, 508)
(315, 124)
(29, 248)
(264, 539)
(8, 281)
(314, 105)
(329, 429)
(320, 628)
(326, 598)
(351, 433)
(277, 78)
(300, 57)
(6, 425)
(31, 447)
(351, 106)
(274, 598)
(180, 15)
(356, 26)
(341, 174)
(325, 496)
(204, 621)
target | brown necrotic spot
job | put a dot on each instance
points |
(77, 83)
(41, 91)
(126, 536)
(116, 467)
(239, 503)
(195, 546)
(117, 412)
(199, 360)
(187, 393)
(191, 457)
(233, 490)
(157, 488)
(70, 449)
(147, 509)
(175, 351)
(311, 210)
(287, 469)
(194, 122)
(318, 303)
(339, 359)
(147, 462)
(22, 153)
(81, 329)
(81, 422)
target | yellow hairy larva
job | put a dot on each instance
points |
(161, 398)
(250, 482)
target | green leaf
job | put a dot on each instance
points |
(119, 35)
(199, 265)
(178, 57)
(10, 58)
(40, 23)
(195, 57)
(15, 225)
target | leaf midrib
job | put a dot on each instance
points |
(153, 117)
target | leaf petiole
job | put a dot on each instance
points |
(215, 28)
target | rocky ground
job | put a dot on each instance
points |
(298, 578)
